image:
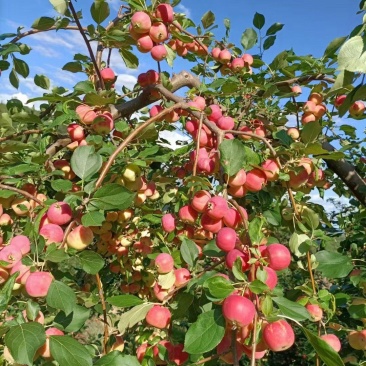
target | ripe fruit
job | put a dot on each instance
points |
(200, 200)
(107, 75)
(164, 263)
(271, 280)
(158, 32)
(188, 214)
(248, 59)
(168, 223)
(10, 254)
(315, 312)
(38, 283)
(217, 207)
(293, 132)
(165, 13)
(278, 256)
(21, 206)
(238, 310)
(210, 224)
(256, 179)
(225, 123)
(271, 170)
(332, 340)
(296, 89)
(279, 335)
(86, 114)
(76, 132)
(339, 100)
(52, 233)
(238, 179)
(141, 22)
(159, 52)
(226, 239)
(103, 124)
(224, 56)
(59, 213)
(182, 276)
(158, 316)
(24, 272)
(22, 243)
(357, 340)
(233, 255)
(45, 350)
(144, 44)
(80, 237)
(357, 109)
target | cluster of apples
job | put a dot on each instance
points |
(256, 126)
(150, 31)
(36, 284)
(313, 109)
(100, 121)
(58, 215)
(357, 109)
(175, 353)
(182, 48)
(230, 64)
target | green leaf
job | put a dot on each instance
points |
(208, 19)
(61, 296)
(259, 20)
(21, 67)
(189, 251)
(74, 321)
(85, 162)
(327, 354)
(84, 87)
(333, 46)
(311, 218)
(251, 158)
(42, 81)
(96, 99)
(61, 185)
(258, 287)
(310, 132)
(69, 352)
(124, 301)
(292, 309)
(129, 58)
(333, 265)
(43, 23)
(357, 311)
(73, 66)
(171, 55)
(55, 255)
(100, 11)
(6, 292)
(60, 6)
(24, 340)
(91, 262)
(206, 333)
(219, 287)
(269, 42)
(352, 55)
(93, 218)
(13, 78)
(274, 28)
(255, 230)
(112, 196)
(133, 316)
(115, 358)
(249, 38)
(232, 154)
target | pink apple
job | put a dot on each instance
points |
(59, 213)
(38, 283)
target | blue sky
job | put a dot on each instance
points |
(309, 27)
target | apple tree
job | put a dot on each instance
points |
(116, 249)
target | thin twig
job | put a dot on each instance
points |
(87, 43)
(197, 146)
(130, 137)
(254, 339)
(104, 308)
(233, 347)
(23, 193)
(14, 135)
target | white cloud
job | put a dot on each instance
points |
(46, 51)
(20, 96)
(173, 137)
(115, 4)
(328, 206)
(184, 9)
(125, 80)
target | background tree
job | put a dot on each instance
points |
(117, 250)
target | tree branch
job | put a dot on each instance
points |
(23, 193)
(87, 43)
(179, 81)
(348, 174)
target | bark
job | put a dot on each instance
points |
(348, 174)
(183, 79)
